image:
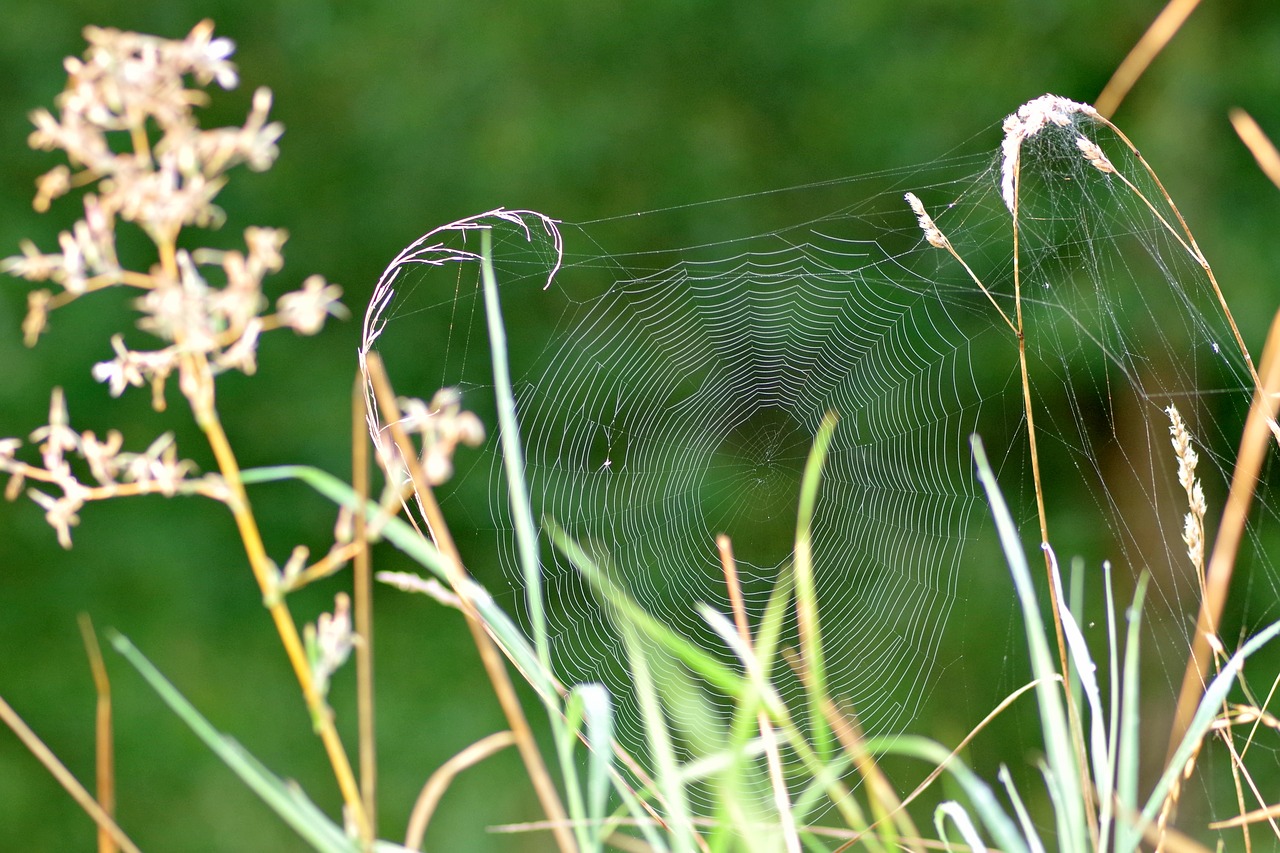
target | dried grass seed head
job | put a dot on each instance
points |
(1029, 120)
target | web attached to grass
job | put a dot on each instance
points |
(667, 396)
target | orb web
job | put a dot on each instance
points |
(667, 396)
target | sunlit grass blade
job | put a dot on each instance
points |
(287, 801)
(955, 812)
(813, 672)
(1020, 809)
(631, 613)
(982, 800)
(1072, 829)
(1214, 695)
(1126, 838)
(1087, 679)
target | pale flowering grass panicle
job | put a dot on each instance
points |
(442, 424)
(932, 234)
(126, 123)
(1094, 156)
(1193, 524)
(1028, 121)
(112, 472)
(330, 641)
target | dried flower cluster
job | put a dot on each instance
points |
(1193, 524)
(443, 425)
(114, 473)
(127, 125)
(330, 641)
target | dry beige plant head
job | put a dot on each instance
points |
(128, 126)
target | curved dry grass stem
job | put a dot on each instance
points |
(104, 741)
(492, 659)
(1161, 31)
(1259, 145)
(425, 806)
(69, 782)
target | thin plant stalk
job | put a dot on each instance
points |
(1161, 31)
(1073, 713)
(322, 716)
(362, 589)
(104, 749)
(489, 654)
(59, 771)
(424, 807)
(1262, 148)
(1254, 441)
(813, 669)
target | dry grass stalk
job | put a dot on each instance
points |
(425, 806)
(104, 740)
(488, 649)
(1161, 31)
(59, 771)
(1259, 145)
(768, 737)
(362, 589)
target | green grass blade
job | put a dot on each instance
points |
(591, 708)
(1019, 808)
(1087, 677)
(513, 454)
(1072, 831)
(960, 818)
(406, 538)
(1127, 838)
(815, 681)
(1214, 695)
(670, 781)
(629, 612)
(287, 801)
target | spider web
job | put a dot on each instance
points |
(667, 396)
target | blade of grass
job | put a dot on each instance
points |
(813, 672)
(657, 735)
(1205, 713)
(1057, 734)
(1087, 678)
(1126, 839)
(631, 613)
(285, 800)
(1004, 832)
(1024, 819)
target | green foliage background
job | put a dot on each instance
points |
(402, 116)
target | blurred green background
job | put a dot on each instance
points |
(403, 116)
